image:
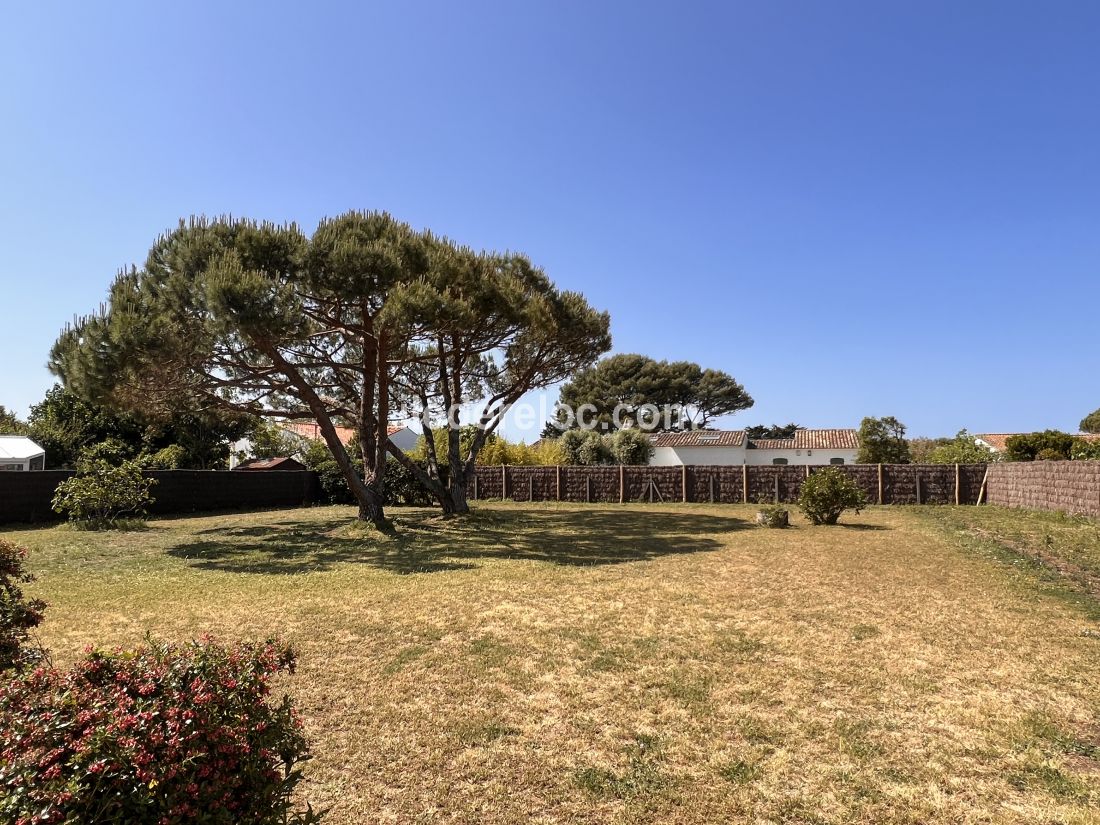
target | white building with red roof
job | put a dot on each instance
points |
(401, 435)
(734, 447)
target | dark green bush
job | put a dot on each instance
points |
(1053, 444)
(18, 616)
(827, 493)
(400, 487)
(630, 446)
(584, 447)
(161, 734)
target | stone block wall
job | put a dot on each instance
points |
(1069, 486)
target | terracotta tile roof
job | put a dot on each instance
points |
(810, 440)
(312, 431)
(995, 440)
(826, 440)
(699, 438)
(771, 444)
(802, 440)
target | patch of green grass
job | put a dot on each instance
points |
(1060, 552)
(607, 660)
(855, 739)
(1039, 728)
(1053, 780)
(492, 653)
(641, 777)
(741, 771)
(865, 631)
(409, 654)
(759, 731)
(690, 688)
(738, 642)
(475, 733)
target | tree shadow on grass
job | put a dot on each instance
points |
(425, 543)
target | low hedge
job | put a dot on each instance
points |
(160, 734)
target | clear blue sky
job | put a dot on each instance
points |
(855, 208)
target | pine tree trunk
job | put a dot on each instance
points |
(370, 507)
(458, 499)
(455, 502)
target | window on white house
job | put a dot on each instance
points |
(779, 461)
(836, 460)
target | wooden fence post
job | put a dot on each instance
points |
(503, 481)
(530, 486)
(956, 485)
(776, 486)
(684, 482)
(557, 482)
(475, 485)
(744, 483)
(981, 490)
(622, 483)
(588, 489)
(880, 484)
(712, 488)
(918, 488)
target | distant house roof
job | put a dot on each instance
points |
(19, 448)
(998, 442)
(312, 430)
(270, 464)
(699, 438)
(801, 440)
(810, 440)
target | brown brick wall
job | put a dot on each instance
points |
(1069, 486)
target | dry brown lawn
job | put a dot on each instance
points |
(631, 663)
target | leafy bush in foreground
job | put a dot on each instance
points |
(827, 493)
(18, 616)
(160, 734)
(101, 495)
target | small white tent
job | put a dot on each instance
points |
(18, 452)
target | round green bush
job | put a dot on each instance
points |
(827, 493)
(101, 495)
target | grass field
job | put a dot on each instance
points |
(639, 663)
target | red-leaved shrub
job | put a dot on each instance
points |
(159, 734)
(18, 616)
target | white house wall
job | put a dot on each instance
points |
(675, 456)
(815, 457)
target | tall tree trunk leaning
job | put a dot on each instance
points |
(366, 489)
